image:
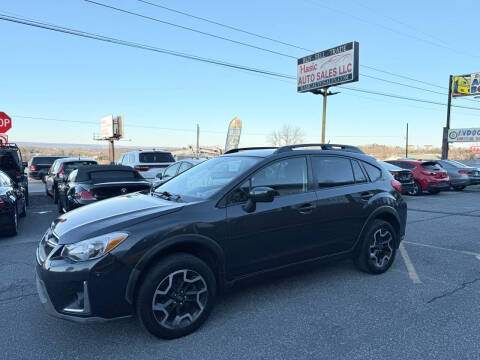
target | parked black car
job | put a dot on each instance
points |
(12, 205)
(11, 163)
(39, 166)
(166, 255)
(404, 176)
(91, 183)
(60, 169)
(175, 169)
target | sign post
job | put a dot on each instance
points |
(458, 85)
(335, 66)
(111, 129)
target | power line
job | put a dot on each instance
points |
(194, 57)
(191, 29)
(224, 25)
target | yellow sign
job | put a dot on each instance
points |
(233, 136)
(465, 85)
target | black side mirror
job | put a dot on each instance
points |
(159, 176)
(25, 164)
(259, 194)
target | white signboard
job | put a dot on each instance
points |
(106, 126)
(464, 135)
(338, 65)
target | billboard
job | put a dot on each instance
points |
(464, 135)
(233, 135)
(335, 66)
(111, 127)
(106, 127)
(466, 85)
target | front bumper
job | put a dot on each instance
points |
(85, 292)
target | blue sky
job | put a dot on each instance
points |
(52, 75)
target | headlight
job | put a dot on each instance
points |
(93, 248)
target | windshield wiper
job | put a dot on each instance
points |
(168, 196)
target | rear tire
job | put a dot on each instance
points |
(377, 249)
(417, 189)
(176, 296)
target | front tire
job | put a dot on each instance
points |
(378, 248)
(417, 189)
(176, 296)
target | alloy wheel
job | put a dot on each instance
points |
(415, 190)
(179, 299)
(381, 248)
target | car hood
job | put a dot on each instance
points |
(106, 216)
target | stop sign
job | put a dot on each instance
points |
(5, 122)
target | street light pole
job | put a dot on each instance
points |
(446, 128)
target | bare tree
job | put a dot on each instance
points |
(288, 135)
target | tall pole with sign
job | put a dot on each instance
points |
(447, 127)
(335, 66)
(111, 129)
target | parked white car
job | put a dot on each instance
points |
(147, 162)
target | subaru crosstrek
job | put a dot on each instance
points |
(165, 256)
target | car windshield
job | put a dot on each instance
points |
(207, 178)
(431, 166)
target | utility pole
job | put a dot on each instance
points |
(198, 142)
(446, 128)
(111, 151)
(406, 143)
(324, 92)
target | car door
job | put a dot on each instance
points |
(274, 233)
(343, 194)
(51, 176)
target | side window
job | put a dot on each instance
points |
(171, 171)
(55, 167)
(131, 158)
(185, 166)
(288, 176)
(373, 172)
(332, 171)
(358, 172)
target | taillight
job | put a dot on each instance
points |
(428, 173)
(84, 195)
(141, 168)
(465, 172)
(60, 172)
(2, 203)
(397, 186)
(33, 168)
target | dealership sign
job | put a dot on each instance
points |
(475, 149)
(464, 135)
(233, 135)
(465, 85)
(335, 66)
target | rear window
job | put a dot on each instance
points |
(8, 162)
(112, 175)
(40, 160)
(431, 166)
(332, 171)
(67, 167)
(404, 165)
(156, 157)
(390, 167)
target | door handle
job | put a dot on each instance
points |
(306, 208)
(366, 195)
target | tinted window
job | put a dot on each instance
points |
(68, 167)
(7, 162)
(405, 165)
(390, 167)
(155, 157)
(42, 160)
(171, 171)
(332, 171)
(112, 175)
(358, 173)
(431, 166)
(185, 166)
(373, 172)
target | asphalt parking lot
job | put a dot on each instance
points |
(426, 306)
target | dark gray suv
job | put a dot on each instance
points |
(166, 255)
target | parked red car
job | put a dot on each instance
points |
(428, 175)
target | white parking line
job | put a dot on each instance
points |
(477, 255)
(412, 273)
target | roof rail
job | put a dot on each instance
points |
(231, 151)
(322, 146)
(8, 146)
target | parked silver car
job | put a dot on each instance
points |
(460, 174)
